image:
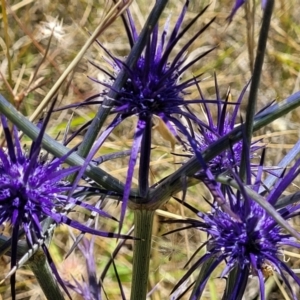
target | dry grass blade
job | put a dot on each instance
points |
(250, 16)
(111, 16)
(15, 7)
(281, 288)
(34, 41)
(169, 215)
(34, 82)
(7, 85)
(7, 40)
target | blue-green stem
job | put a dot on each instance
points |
(38, 264)
(143, 221)
(108, 102)
(174, 182)
(273, 177)
(259, 60)
(40, 267)
(57, 149)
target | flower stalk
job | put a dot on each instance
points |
(259, 60)
(143, 221)
(169, 185)
(40, 267)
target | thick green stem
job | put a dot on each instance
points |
(42, 271)
(174, 183)
(170, 185)
(57, 149)
(143, 220)
(251, 106)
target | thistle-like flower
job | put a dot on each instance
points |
(248, 245)
(219, 126)
(153, 88)
(32, 189)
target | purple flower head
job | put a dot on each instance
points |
(32, 189)
(153, 88)
(90, 288)
(250, 245)
(217, 127)
(87, 289)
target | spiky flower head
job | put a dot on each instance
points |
(218, 126)
(153, 89)
(32, 189)
(248, 240)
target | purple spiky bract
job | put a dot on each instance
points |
(153, 88)
(88, 289)
(219, 126)
(33, 189)
(250, 244)
(237, 5)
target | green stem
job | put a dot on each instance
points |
(43, 273)
(101, 177)
(143, 220)
(259, 60)
(174, 183)
(169, 185)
